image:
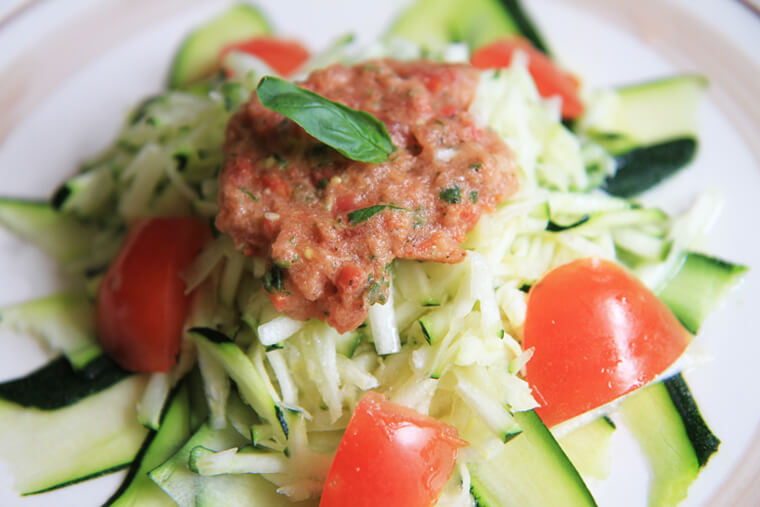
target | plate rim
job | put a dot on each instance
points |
(734, 76)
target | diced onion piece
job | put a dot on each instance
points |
(278, 329)
(382, 322)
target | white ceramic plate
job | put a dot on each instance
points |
(70, 71)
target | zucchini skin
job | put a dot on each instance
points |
(699, 286)
(431, 23)
(59, 196)
(554, 227)
(644, 167)
(50, 449)
(132, 471)
(58, 385)
(526, 25)
(95, 475)
(138, 489)
(530, 470)
(666, 423)
(703, 440)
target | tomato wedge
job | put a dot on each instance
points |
(550, 80)
(597, 333)
(390, 455)
(141, 302)
(284, 56)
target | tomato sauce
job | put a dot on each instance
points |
(331, 226)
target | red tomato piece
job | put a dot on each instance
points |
(597, 333)
(284, 56)
(346, 202)
(141, 304)
(350, 277)
(276, 184)
(449, 110)
(390, 455)
(550, 80)
(437, 79)
(280, 301)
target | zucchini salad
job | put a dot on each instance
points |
(412, 273)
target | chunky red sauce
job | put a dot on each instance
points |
(288, 197)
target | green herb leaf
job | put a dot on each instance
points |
(274, 279)
(474, 196)
(452, 195)
(248, 193)
(356, 134)
(364, 214)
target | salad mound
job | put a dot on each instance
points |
(424, 288)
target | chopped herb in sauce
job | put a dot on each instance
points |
(274, 279)
(249, 194)
(322, 183)
(451, 195)
(474, 196)
(376, 292)
(364, 214)
(280, 161)
(284, 263)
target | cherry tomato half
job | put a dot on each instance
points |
(141, 303)
(597, 333)
(284, 56)
(550, 80)
(390, 455)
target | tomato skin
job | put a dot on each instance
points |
(597, 333)
(550, 80)
(141, 303)
(284, 56)
(390, 455)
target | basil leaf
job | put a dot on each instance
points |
(356, 134)
(452, 195)
(364, 214)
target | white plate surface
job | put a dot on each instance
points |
(69, 72)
